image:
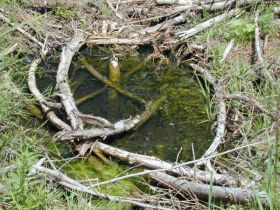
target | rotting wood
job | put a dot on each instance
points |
(219, 193)
(62, 79)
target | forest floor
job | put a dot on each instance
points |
(241, 53)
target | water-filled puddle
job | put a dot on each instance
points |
(179, 124)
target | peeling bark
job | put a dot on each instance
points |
(62, 80)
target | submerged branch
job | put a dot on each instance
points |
(106, 81)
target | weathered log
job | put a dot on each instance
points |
(207, 24)
(219, 193)
(62, 79)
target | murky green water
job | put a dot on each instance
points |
(180, 121)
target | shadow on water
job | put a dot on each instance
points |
(180, 121)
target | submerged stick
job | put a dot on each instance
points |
(106, 81)
(219, 193)
(90, 96)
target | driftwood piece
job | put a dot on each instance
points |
(222, 114)
(219, 193)
(62, 79)
(70, 183)
(156, 163)
(57, 122)
(207, 24)
(117, 128)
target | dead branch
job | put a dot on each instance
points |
(40, 98)
(262, 71)
(225, 194)
(222, 114)
(156, 163)
(75, 185)
(227, 50)
(207, 24)
(117, 41)
(117, 128)
(62, 79)
(32, 38)
(251, 102)
(174, 21)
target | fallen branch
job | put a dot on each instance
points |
(222, 114)
(207, 24)
(156, 163)
(32, 38)
(224, 194)
(75, 185)
(57, 122)
(174, 21)
(89, 96)
(251, 101)
(62, 80)
(262, 71)
(227, 50)
(117, 128)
